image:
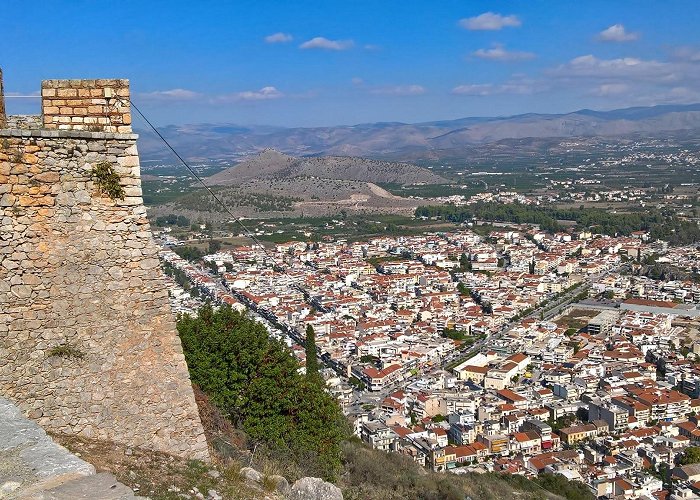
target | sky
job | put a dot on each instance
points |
(321, 63)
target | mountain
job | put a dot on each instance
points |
(224, 142)
(271, 164)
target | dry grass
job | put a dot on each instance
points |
(160, 476)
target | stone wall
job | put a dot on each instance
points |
(2, 102)
(88, 344)
(23, 122)
(93, 105)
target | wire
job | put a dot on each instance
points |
(237, 220)
(22, 96)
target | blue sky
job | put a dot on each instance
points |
(311, 63)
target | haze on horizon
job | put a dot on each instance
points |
(318, 63)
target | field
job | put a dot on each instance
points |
(576, 319)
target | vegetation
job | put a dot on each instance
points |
(193, 254)
(311, 355)
(371, 474)
(177, 274)
(202, 201)
(255, 381)
(172, 220)
(160, 476)
(107, 181)
(66, 350)
(691, 456)
(661, 226)
(573, 490)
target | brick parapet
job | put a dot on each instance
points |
(92, 105)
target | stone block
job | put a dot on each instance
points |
(67, 93)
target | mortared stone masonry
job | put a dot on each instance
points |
(88, 344)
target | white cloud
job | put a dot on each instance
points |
(617, 33)
(589, 66)
(610, 89)
(499, 53)
(171, 95)
(320, 42)
(35, 93)
(264, 94)
(480, 89)
(400, 90)
(687, 54)
(279, 38)
(517, 85)
(357, 81)
(489, 21)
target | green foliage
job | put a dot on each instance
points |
(202, 201)
(660, 226)
(214, 246)
(359, 384)
(107, 181)
(178, 275)
(375, 475)
(453, 334)
(691, 455)
(172, 220)
(311, 355)
(464, 290)
(556, 483)
(254, 379)
(65, 350)
(193, 254)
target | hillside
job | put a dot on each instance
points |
(420, 140)
(271, 184)
(271, 164)
(296, 429)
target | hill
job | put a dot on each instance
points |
(403, 140)
(271, 184)
(271, 164)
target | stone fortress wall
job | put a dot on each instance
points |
(88, 344)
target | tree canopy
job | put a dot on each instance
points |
(255, 380)
(311, 356)
(691, 456)
(663, 226)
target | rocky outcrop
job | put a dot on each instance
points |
(314, 488)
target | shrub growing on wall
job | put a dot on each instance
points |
(107, 181)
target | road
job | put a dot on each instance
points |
(546, 312)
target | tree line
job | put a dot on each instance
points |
(660, 225)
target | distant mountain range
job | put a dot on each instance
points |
(207, 142)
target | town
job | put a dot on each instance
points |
(518, 351)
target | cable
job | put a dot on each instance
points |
(237, 220)
(22, 96)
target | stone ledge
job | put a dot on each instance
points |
(66, 134)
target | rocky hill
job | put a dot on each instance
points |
(271, 164)
(405, 140)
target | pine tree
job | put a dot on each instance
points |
(311, 357)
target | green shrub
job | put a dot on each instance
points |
(65, 350)
(107, 181)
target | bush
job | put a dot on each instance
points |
(107, 181)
